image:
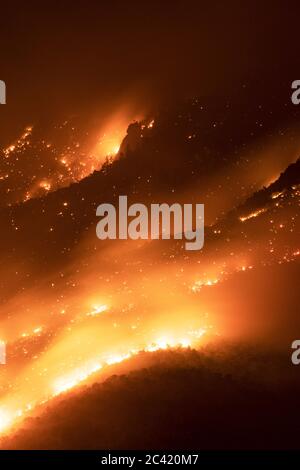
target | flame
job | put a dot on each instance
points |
(97, 309)
(109, 144)
(46, 185)
(67, 161)
(252, 214)
(208, 282)
(276, 195)
(113, 132)
(79, 375)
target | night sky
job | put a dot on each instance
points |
(86, 58)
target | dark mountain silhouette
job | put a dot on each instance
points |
(189, 400)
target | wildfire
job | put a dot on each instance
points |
(67, 162)
(143, 307)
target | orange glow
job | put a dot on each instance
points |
(6, 420)
(112, 133)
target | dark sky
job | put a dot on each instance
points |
(82, 57)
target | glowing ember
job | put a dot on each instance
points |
(276, 195)
(97, 309)
(199, 284)
(252, 215)
(46, 185)
(20, 143)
